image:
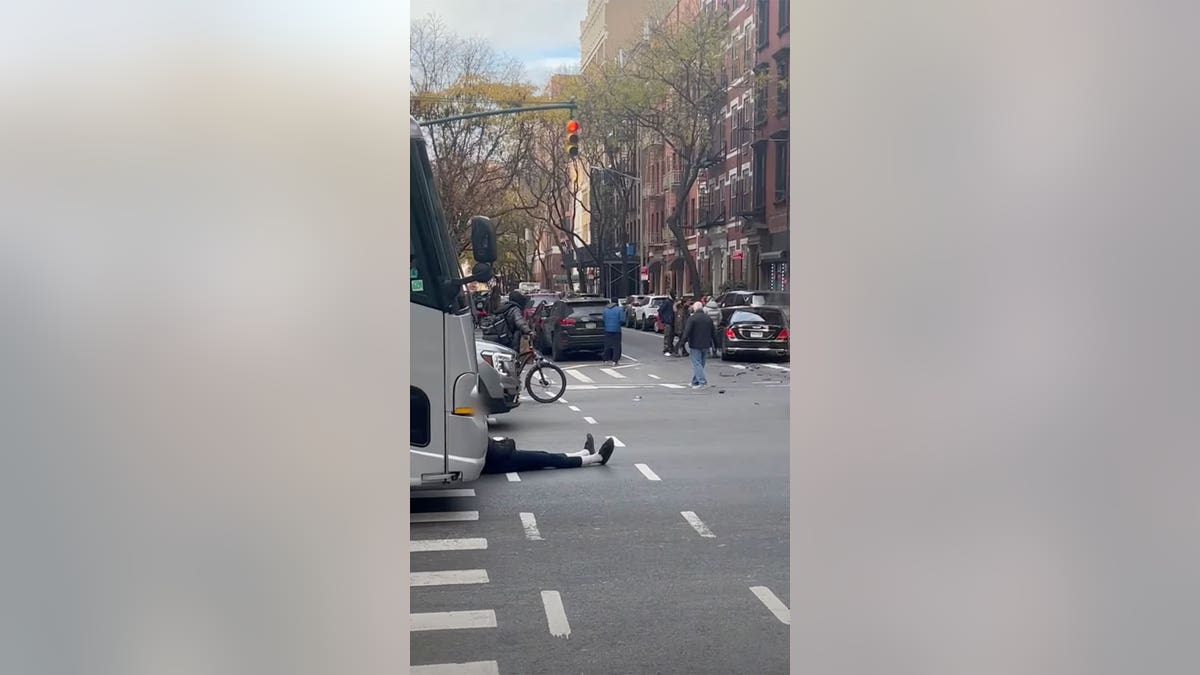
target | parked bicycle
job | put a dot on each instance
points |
(545, 381)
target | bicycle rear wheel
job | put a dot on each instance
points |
(546, 382)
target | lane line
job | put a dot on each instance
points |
(529, 523)
(563, 400)
(773, 603)
(669, 385)
(778, 367)
(613, 373)
(513, 477)
(626, 356)
(430, 494)
(556, 615)
(443, 517)
(734, 365)
(481, 618)
(427, 545)
(617, 442)
(585, 386)
(628, 365)
(472, 668)
(696, 523)
(579, 376)
(647, 472)
(654, 376)
(590, 420)
(574, 408)
(447, 577)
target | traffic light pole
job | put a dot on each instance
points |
(569, 105)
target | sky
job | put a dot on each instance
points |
(543, 34)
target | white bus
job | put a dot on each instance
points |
(449, 426)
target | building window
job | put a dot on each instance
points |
(760, 176)
(783, 16)
(748, 50)
(761, 75)
(735, 69)
(781, 171)
(781, 83)
(762, 15)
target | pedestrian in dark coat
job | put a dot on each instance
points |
(701, 336)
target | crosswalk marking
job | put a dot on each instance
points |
(610, 371)
(696, 523)
(652, 375)
(670, 385)
(472, 668)
(513, 477)
(481, 618)
(573, 408)
(447, 577)
(429, 494)
(773, 603)
(556, 615)
(428, 545)
(734, 365)
(647, 472)
(579, 376)
(783, 368)
(443, 517)
(590, 420)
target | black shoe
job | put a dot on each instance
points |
(606, 450)
(590, 445)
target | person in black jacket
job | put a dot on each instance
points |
(666, 316)
(504, 457)
(513, 312)
(700, 335)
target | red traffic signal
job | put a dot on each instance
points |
(572, 139)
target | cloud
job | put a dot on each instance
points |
(544, 34)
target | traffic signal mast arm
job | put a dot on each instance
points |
(569, 105)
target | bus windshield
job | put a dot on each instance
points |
(433, 263)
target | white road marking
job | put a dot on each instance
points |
(654, 376)
(429, 494)
(626, 356)
(447, 577)
(584, 386)
(482, 618)
(628, 365)
(617, 442)
(472, 668)
(427, 545)
(579, 376)
(783, 368)
(443, 517)
(513, 477)
(669, 385)
(773, 603)
(613, 373)
(647, 472)
(590, 420)
(574, 408)
(531, 529)
(556, 616)
(734, 365)
(696, 523)
(563, 400)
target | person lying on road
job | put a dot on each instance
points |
(504, 457)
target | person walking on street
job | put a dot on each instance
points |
(612, 332)
(701, 336)
(666, 316)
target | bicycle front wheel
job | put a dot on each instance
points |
(546, 382)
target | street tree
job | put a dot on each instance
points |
(669, 87)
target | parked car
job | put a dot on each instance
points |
(745, 299)
(646, 314)
(761, 331)
(635, 301)
(498, 385)
(572, 325)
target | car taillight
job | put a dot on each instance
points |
(729, 334)
(783, 334)
(566, 322)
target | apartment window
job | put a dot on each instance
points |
(783, 16)
(781, 83)
(748, 49)
(735, 70)
(761, 75)
(762, 15)
(781, 171)
(760, 175)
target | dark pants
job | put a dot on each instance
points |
(504, 457)
(669, 338)
(612, 347)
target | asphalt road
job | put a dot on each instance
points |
(605, 574)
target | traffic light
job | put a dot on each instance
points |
(572, 139)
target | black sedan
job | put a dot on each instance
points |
(573, 325)
(758, 331)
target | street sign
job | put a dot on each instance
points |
(737, 255)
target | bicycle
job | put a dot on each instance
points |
(542, 375)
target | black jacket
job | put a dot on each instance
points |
(699, 331)
(515, 317)
(666, 313)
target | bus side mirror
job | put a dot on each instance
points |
(483, 240)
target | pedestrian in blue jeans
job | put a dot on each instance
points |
(700, 335)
